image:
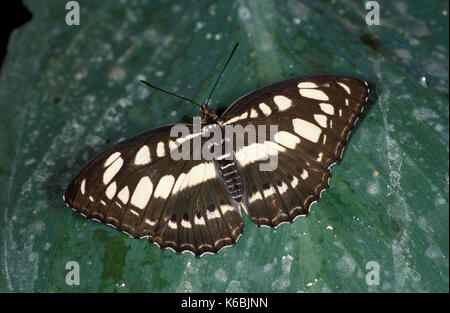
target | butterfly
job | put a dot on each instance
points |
(194, 204)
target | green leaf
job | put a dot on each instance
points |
(68, 92)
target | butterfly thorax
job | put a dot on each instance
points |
(207, 114)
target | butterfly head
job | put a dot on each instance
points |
(207, 114)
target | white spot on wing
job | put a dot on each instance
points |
(226, 208)
(255, 196)
(124, 195)
(286, 139)
(210, 171)
(134, 213)
(185, 182)
(178, 183)
(321, 120)
(160, 151)
(307, 85)
(111, 158)
(150, 222)
(306, 129)
(189, 137)
(269, 192)
(283, 188)
(346, 88)
(258, 152)
(172, 224)
(142, 193)
(327, 108)
(232, 120)
(186, 224)
(304, 174)
(111, 171)
(265, 109)
(199, 221)
(213, 214)
(199, 174)
(143, 156)
(314, 94)
(172, 146)
(225, 156)
(253, 113)
(83, 187)
(196, 174)
(283, 103)
(294, 182)
(164, 187)
(111, 190)
(236, 118)
(274, 146)
(319, 157)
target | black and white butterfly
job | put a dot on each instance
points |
(195, 205)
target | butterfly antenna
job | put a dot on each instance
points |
(220, 75)
(170, 93)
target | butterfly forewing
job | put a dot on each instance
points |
(314, 116)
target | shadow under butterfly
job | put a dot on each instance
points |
(195, 205)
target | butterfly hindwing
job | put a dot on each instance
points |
(200, 218)
(314, 116)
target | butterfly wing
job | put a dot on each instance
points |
(314, 115)
(138, 188)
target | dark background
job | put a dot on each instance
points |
(13, 14)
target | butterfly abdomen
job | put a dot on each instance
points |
(230, 173)
(231, 177)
